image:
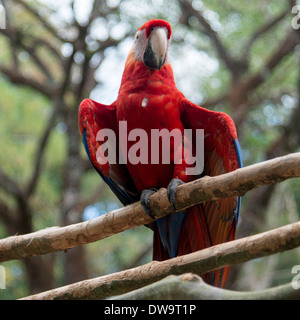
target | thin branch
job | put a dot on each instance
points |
(44, 22)
(290, 137)
(235, 183)
(16, 77)
(286, 47)
(57, 106)
(40, 151)
(16, 38)
(39, 42)
(38, 62)
(200, 262)
(265, 28)
(236, 67)
(190, 286)
(238, 95)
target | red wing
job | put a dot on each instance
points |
(221, 154)
(93, 117)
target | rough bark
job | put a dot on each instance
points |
(207, 188)
(200, 262)
(190, 286)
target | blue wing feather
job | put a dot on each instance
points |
(122, 195)
(169, 230)
(240, 160)
(239, 152)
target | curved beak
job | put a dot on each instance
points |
(156, 51)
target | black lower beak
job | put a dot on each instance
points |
(149, 58)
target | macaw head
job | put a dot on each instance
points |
(151, 44)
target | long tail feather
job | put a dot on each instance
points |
(194, 236)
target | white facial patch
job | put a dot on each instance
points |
(159, 44)
(140, 44)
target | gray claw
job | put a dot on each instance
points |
(145, 200)
(171, 190)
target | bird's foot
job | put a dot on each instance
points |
(145, 200)
(171, 190)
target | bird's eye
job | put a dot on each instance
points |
(137, 37)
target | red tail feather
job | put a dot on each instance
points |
(194, 236)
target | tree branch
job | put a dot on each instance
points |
(9, 185)
(238, 96)
(235, 183)
(265, 28)
(199, 262)
(236, 67)
(17, 40)
(43, 21)
(190, 286)
(40, 151)
(8, 217)
(16, 77)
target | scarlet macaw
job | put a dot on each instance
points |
(149, 99)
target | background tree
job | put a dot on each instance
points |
(234, 56)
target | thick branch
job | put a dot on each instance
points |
(16, 77)
(199, 262)
(235, 183)
(8, 217)
(9, 185)
(191, 287)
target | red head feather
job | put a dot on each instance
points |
(151, 24)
